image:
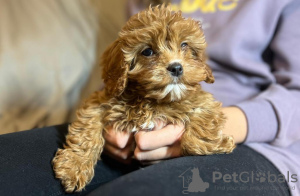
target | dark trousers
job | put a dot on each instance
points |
(25, 169)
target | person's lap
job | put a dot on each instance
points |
(25, 160)
(216, 177)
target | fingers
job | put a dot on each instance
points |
(119, 145)
(122, 155)
(159, 125)
(150, 140)
(119, 139)
(161, 143)
(158, 154)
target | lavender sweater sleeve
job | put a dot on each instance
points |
(274, 114)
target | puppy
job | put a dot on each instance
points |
(152, 72)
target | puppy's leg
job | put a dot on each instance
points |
(74, 165)
(203, 135)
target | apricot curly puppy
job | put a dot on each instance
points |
(152, 72)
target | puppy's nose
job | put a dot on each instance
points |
(175, 69)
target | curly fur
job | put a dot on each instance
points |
(140, 90)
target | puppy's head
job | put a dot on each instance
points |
(158, 54)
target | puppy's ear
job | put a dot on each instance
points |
(209, 76)
(115, 70)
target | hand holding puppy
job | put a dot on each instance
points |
(163, 142)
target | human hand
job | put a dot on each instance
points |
(119, 145)
(162, 142)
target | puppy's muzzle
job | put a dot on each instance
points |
(175, 69)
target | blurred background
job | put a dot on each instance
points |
(49, 56)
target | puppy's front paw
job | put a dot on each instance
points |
(192, 144)
(74, 171)
(226, 145)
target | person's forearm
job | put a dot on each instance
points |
(236, 124)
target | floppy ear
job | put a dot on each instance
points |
(115, 70)
(209, 77)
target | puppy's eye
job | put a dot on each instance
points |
(147, 52)
(183, 45)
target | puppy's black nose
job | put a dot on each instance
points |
(175, 69)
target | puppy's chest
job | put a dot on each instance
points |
(135, 117)
(143, 116)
